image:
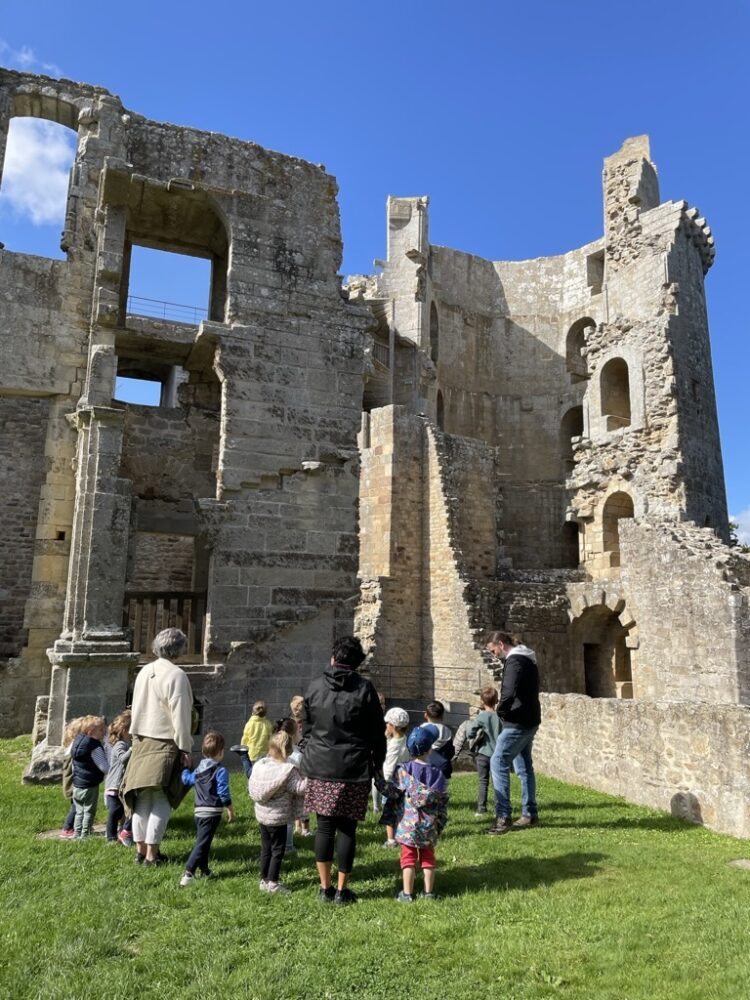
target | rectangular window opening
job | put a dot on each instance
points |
(165, 285)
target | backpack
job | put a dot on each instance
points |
(476, 741)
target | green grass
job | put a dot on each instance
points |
(605, 901)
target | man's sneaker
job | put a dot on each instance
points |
(344, 897)
(240, 749)
(327, 895)
(502, 824)
(428, 895)
(187, 879)
(390, 843)
(263, 885)
(278, 888)
(125, 838)
(208, 873)
(404, 897)
(525, 822)
(67, 835)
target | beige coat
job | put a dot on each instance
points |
(163, 704)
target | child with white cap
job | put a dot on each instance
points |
(396, 724)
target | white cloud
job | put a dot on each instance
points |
(26, 59)
(742, 520)
(38, 159)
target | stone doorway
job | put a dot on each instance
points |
(600, 654)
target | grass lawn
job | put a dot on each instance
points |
(605, 901)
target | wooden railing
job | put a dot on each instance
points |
(147, 612)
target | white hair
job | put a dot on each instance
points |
(169, 643)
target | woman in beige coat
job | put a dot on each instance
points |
(162, 743)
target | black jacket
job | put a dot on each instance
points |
(343, 730)
(519, 692)
(85, 772)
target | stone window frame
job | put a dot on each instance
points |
(598, 431)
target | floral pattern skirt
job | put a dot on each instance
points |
(337, 798)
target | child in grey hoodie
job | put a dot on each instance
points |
(278, 790)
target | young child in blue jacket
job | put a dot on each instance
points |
(212, 797)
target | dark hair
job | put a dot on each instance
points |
(288, 725)
(435, 710)
(497, 638)
(348, 651)
(213, 743)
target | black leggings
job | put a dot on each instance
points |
(325, 837)
(115, 812)
(272, 850)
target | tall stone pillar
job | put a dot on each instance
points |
(90, 660)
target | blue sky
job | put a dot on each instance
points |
(501, 111)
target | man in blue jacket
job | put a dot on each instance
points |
(520, 714)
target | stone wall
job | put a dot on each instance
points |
(23, 430)
(687, 758)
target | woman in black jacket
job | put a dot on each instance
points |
(343, 744)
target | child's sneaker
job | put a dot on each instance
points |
(278, 888)
(263, 885)
(139, 859)
(240, 749)
(125, 838)
(306, 832)
(428, 895)
(390, 843)
(67, 835)
(404, 897)
(208, 873)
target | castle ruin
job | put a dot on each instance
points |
(449, 445)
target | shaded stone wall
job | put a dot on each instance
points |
(684, 757)
(23, 429)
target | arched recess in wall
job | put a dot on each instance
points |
(616, 507)
(615, 394)
(600, 654)
(434, 334)
(40, 154)
(440, 412)
(571, 426)
(575, 343)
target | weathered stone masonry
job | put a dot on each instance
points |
(528, 444)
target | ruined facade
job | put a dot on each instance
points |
(530, 445)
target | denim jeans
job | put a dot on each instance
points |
(514, 747)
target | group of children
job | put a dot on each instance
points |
(411, 792)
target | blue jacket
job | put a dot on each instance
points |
(211, 781)
(85, 772)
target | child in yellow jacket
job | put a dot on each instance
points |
(255, 738)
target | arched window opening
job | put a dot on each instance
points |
(571, 426)
(575, 344)
(615, 394)
(39, 157)
(440, 416)
(601, 652)
(570, 549)
(434, 333)
(618, 506)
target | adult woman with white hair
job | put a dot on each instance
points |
(162, 741)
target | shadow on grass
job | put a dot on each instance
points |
(501, 874)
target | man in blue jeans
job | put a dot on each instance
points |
(520, 714)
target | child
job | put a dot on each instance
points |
(301, 825)
(441, 754)
(212, 797)
(423, 813)
(72, 730)
(119, 738)
(487, 722)
(255, 738)
(396, 724)
(277, 788)
(90, 764)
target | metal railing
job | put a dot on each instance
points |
(156, 309)
(147, 612)
(381, 353)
